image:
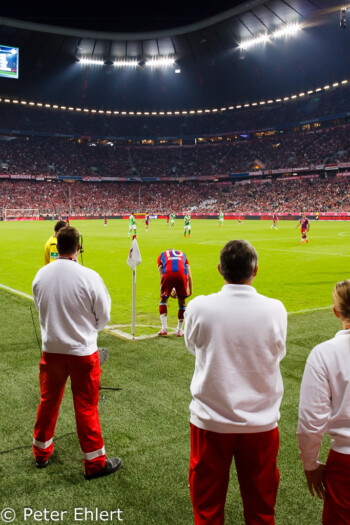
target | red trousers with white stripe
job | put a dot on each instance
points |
(336, 510)
(255, 457)
(84, 373)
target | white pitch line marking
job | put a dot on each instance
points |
(16, 292)
(306, 310)
(308, 252)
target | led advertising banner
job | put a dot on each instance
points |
(8, 62)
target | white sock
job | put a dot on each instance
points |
(180, 323)
(164, 321)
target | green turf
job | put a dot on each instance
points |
(147, 423)
(302, 276)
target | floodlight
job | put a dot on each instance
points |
(125, 63)
(91, 61)
(160, 62)
(343, 18)
(254, 41)
(288, 30)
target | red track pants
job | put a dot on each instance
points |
(336, 510)
(256, 464)
(84, 372)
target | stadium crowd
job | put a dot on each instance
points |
(114, 198)
(69, 157)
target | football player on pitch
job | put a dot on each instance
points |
(305, 227)
(274, 218)
(175, 281)
(132, 225)
(147, 221)
(187, 228)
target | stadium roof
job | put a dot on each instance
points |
(215, 72)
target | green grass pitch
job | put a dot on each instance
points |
(147, 423)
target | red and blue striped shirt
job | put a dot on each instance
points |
(173, 261)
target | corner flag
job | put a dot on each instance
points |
(134, 257)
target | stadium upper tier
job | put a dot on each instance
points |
(19, 116)
(53, 157)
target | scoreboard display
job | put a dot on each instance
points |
(9, 61)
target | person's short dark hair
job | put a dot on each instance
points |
(68, 240)
(238, 260)
(59, 225)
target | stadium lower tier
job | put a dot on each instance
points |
(329, 195)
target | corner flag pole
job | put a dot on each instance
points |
(133, 318)
(134, 259)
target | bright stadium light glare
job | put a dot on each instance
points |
(125, 63)
(288, 30)
(254, 42)
(160, 62)
(84, 61)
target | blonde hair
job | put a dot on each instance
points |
(341, 298)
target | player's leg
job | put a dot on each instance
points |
(85, 374)
(180, 316)
(163, 312)
(209, 473)
(53, 375)
(336, 510)
(165, 289)
(258, 476)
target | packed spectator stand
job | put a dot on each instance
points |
(48, 146)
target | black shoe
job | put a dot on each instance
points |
(42, 465)
(112, 465)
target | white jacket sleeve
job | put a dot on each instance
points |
(314, 412)
(189, 329)
(101, 305)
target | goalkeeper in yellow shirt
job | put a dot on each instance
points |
(51, 253)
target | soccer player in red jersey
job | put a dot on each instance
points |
(175, 281)
(147, 221)
(274, 218)
(305, 227)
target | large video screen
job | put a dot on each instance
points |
(8, 62)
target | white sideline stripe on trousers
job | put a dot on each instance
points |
(289, 313)
(42, 444)
(95, 454)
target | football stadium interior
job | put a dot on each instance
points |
(240, 108)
